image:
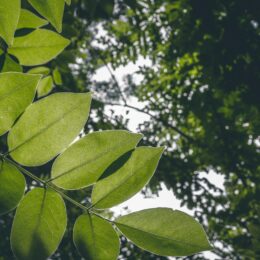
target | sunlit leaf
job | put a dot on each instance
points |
(30, 20)
(85, 161)
(38, 47)
(47, 127)
(12, 187)
(39, 225)
(45, 86)
(164, 232)
(95, 238)
(127, 180)
(17, 91)
(9, 16)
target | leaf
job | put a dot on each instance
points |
(52, 10)
(12, 187)
(38, 47)
(10, 65)
(95, 238)
(45, 86)
(30, 20)
(9, 15)
(164, 232)
(47, 127)
(68, 2)
(127, 180)
(39, 70)
(39, 225)
(84, 162)
(17, 91)
(57, 77)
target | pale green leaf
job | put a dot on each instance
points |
(57, 77)
(30, 20)
(45, 86)
(68, 2)
(84, 162)
(52, 10)
(17, 91)
(164, 232)
(12, 187)
(39, 70)
(39, 225)
(9, 16)
(47, 127)
(95, 238)
(127, 180)
(38, 47)
(10, 65)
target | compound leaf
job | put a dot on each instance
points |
(85, 161)
(47, 127)
(164, 232)
(127, 180)
(95, 238)
(38, 47)
(39, 225)
(12, 187)
(17, 91)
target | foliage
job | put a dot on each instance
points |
(43, 134)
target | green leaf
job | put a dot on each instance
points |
(12, 187)
(10, 65)
(164, 232)
(127, 180)
(68, 2)
(38, 47)
(57, 77)
(9, 16)
(52, 10)
(95, 238)
(39, 70)
(84, 162)
(39, 225)
(47, 127)
(45, 86)
(30, 20)
(17, 91)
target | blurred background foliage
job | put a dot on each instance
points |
(200, 90)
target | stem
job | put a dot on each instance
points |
(51, 186)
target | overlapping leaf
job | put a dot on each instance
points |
(85, 161)
(47, 127)
(39, 225)
(12, 187)
(45, 86)
(30, 20)
(38, 47)
(127, 180)
(17, 91)
(164, 232)
(95, 238)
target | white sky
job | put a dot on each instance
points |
(166, 197)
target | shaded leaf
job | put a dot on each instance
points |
(47, 127)
(85, 161)
(17, 91)
(127, 180)
(38, 47)
(39, 225)
(164, 232)
(39, 70)
(9, 16)
(12, 187)
(57, 77)
(95, 238)
(10, 65)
